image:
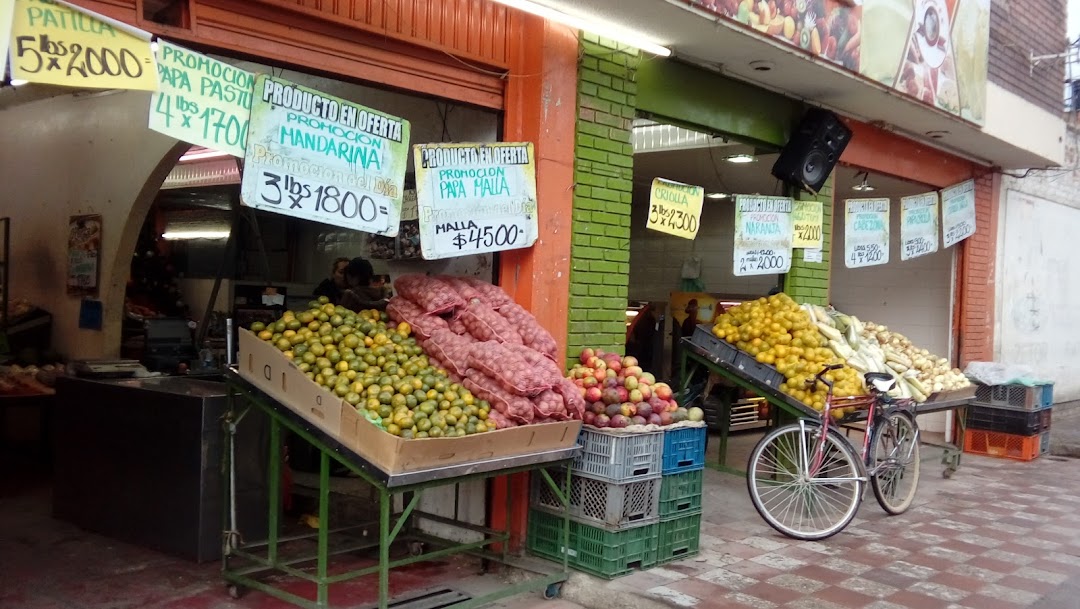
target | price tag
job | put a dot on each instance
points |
(958, 212)
(762, 235)
(808, 217)
(918, 225)
(475, 198)
(54, 43)
(813, 255)
(675, 208)
(323, 158)
(866, 232)
(201, 100)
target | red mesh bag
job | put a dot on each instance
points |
(507, 368)
(550, 405)
(462, 287)
(543, 365)
(401, 310)
(458, 327)
(491, 295)
(449, 349)
(484, 324)
(571, 395)
(501, 421)
(533, 335)
(429, 293)
(516, 408)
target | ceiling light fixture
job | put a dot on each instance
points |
(762, 66)
(187, 235)
(740, 158)
(716, 195)
(600, 28)
(864, 186)
(937, 134)
(202, 155)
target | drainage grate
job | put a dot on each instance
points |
(434, 598)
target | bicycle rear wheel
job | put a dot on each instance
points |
(792, 501)
(894, 459)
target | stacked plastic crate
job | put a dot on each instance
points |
(614, 505)
(681, 492)
(1010, 421)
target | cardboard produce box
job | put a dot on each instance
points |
(263, 365)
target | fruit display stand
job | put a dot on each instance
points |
(723, 359)
(246, 565)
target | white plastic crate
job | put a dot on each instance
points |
(613, 506)
(620, 457)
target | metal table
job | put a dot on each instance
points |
(701, 358)
(242, 563)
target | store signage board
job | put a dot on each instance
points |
(201, 100)
(54, 43)
(958, 212)
(475, 198)
(323, 158)
(7, 13)
(866, 232)
(808, 218)
(762, 235)
(675, 208)
(918, 225)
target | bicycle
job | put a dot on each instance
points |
(807, 482)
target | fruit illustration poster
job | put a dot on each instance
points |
(84, 247)
(934, 51)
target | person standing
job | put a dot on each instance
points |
(362, 293)
(334, 286)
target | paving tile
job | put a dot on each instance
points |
(763, 543)
(698, 588)
(728, 579)
(755, 570)
(798, 583)
(939, 590)
(868, 587)
(746, 600)
(813, 603)
(1012, 595)
(1029, 585)
(915, 600)
(1040, 575)
(779, 561)
(896, 579)
(966, 583)
(773, 594)
(844, 597)
(674, 597)
(847, 567)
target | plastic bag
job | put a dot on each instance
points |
(449, 349)
(550, 405)
(993, 373)
(485, 324)
(571, 395)
(533, 335)
(509, 369)
(515, 408)
(491, 295)
(435, 297)
(401, 310)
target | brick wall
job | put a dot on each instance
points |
(977, 265)
(1019, 28)
(809, 281)
(603, 176)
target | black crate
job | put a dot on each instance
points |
(1007, 420)
(762, 373)
(720, 349)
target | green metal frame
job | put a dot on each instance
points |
(265, 557)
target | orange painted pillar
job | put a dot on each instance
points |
(541, 102)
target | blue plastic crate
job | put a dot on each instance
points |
(684, 449)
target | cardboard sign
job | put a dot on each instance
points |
(675, 208)
(918, 225)
(323, 158)
(958, 212)
(475, 198)
(55, 44)
(866, 232)
(762, 235)
(201, 100)
(808, 219)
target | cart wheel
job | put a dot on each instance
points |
(553, 591)
(416, 548)
(236, 591)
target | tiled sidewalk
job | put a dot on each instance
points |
(999, 534)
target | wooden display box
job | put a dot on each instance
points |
(262, 365)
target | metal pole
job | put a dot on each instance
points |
(234, 224)
(323, 595)
(274, 485)
(384, 548)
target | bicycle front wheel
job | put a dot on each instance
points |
(795, 501)
(894, 459)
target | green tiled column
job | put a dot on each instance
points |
(809, 281)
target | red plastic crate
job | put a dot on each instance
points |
(1006, 445)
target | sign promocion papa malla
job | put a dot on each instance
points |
(475, 198)
(762, 235)
(323, 158)
(866, 232)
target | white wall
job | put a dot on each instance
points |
(1039, 131)
(65, 156)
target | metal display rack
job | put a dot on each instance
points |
(243, 563)
(694, 357)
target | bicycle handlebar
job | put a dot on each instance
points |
(817, 378)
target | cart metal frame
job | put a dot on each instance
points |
(700, 358)
(242, 562)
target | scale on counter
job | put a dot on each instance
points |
(108, 368)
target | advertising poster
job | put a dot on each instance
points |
(958, 212)
(935, 51)
(762, 235)
(866, 232)
(475, 198)
(675, 208)
(323, 158)
(84, 248)
(918, 225)
(201, 100)
(689, 309)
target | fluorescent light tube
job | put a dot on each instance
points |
(602, 29)
(187, 235)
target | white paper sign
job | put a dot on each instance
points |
(762, 235)
(866, 232)
(918, 225)
(958, 212)
(813, 255)
(201, 100)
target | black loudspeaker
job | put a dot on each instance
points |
(813, 150)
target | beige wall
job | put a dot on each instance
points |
(78, 155)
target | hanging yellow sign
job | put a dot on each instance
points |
(807, 221)
(55, 44)
(675, 208)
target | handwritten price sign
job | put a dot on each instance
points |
(866, 232)
(55, 44)
(918, 225)
(471, 237)
(808, 218)
(958, 212)
(327, 203)
(675, 208)
(763, 235)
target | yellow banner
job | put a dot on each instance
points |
(675, 208)
(54, 44)
(807, 219)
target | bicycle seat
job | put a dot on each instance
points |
(882, 382)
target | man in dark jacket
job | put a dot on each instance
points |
(362, 294)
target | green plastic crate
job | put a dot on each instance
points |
(679, 538)
(680, 494)
(591, 549)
